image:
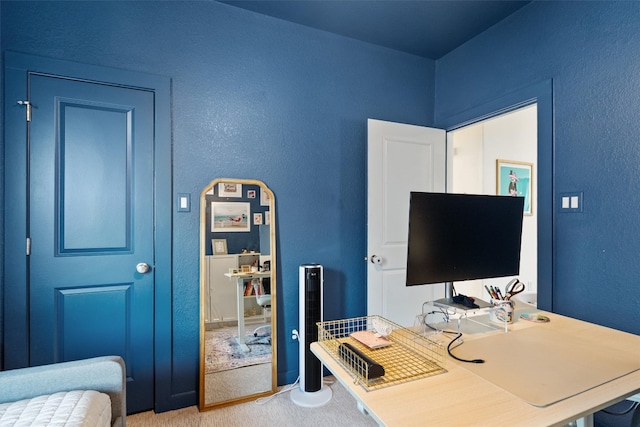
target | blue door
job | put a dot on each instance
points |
(91, 223)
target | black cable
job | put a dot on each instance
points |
(444, 313)
(459, 334)
(433, 328)
(457, 358)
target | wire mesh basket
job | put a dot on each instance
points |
(407, 355)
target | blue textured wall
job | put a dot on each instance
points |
(253, 97)
(591, 51)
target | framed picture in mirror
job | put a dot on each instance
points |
(229, 189)
(257, 219)
(265, 199)
(219, 246)
(230, 216)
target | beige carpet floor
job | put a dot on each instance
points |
(235, 383)
(279, 411)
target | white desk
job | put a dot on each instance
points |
(461, 398)
(240, 279)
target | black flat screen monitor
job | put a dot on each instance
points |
(456, 237)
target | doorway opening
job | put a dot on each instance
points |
(473, 154)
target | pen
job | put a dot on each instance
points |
(494, 294)
(499, 293)
(488, 291)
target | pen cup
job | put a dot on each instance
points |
(502, 311)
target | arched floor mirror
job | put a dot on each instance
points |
(237, 292)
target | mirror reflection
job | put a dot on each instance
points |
(237, 298)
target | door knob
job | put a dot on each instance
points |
(375, 259)
(143, 268)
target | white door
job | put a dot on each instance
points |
(401, 158)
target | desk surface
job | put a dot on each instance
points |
(460, 397)
(248, 275)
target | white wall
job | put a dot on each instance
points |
(511, 136)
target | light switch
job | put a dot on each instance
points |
(184, 202)
(574, 202)
(571, 202)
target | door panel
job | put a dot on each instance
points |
(99, 195)
(91, 223)
(80, 309)
(401, 158)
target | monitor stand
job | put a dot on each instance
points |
(447, 301)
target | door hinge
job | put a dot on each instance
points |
(28, 246)
(28, 105)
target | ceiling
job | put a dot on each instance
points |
(427, 28)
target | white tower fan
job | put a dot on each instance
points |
(311, 393)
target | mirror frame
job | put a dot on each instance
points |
(202, 406)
